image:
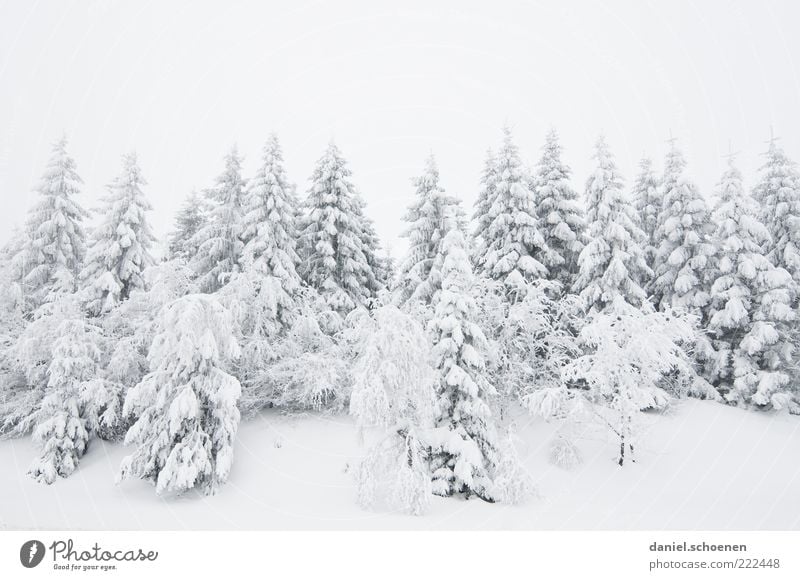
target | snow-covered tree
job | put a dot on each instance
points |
(335, 258)
(628, 353)
(53, 253)
(682, 240)
(647, 202)
(393, 391)
(270, 230)
(62, 427)
(192, 216)
(560, 214)
(514, 241)
(482, 214)
(464, 445)
(186, 406)
(612, 263)
(778, 194)
(120, 250)
(428, 216)
(219, 241)
(750, 311)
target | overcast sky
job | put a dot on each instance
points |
(390, 82)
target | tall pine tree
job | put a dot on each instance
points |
(120, 249)
(54, 248)
(559, 214)
(482, 215)
(682, 239)
(514, 241)
(219, 241)
(192, 216)
(464, 448)
(750, 311)
(420, 272)
(647, 202)
(336, 259)
(612, 263)
(778, 194)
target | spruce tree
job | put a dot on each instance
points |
(270, 228)
(120, 250)
(192, 216)
(647, 202)
(62, 427)
(186, 406)
(420, 272)
(559, 214)
(482, 216)
(612, 263)
(464, 449)
(682, 238)
(219, 240)
(515, 244)
(778, 194)
(334, 253)
(54, 249)
(750, 314)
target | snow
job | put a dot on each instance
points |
(702, 466)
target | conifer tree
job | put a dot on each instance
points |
(270, 232)
(559, 214)
(464, 448)
(420, 272)
(482, 216)
(612, 263)
(334, 253)
(647, 202)
(778, 194)
(514, 242)
(682, 239)
(120, 250)
(192, 216)
(750, 312)
(186, 406)
(219, 241)
(52, 255)
(62, 426)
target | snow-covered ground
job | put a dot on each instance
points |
(702, 466)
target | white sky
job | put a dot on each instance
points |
(391, 82)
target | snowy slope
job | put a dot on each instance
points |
(703, 466)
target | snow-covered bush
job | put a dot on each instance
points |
(186, 406)
(62, 426)
(629, 351)
(393, 390)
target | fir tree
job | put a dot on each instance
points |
(335, 257)
(420, 272)
(647, 202)
(120, 249)
(54, 249)
(219, 240)
(683, 248)
(778, 194)
(750, 312)
(482, 216)
(514, 242)
(559, 214)
(192, 216)
(186, 406)
(464, 449)
(612, 263)
(62, 426)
